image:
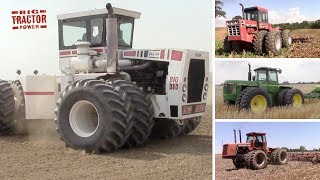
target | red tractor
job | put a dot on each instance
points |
(253, 31)
(254, 154)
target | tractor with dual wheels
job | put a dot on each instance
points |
(253, 32)
(261, 91)
(109, 95)
(254, 154)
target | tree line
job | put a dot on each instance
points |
(302, 25)
(300, 149)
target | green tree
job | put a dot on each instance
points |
(218, 9)
(302, 149)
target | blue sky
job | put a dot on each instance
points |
(284, 134)
(163, 24)
(279, 11)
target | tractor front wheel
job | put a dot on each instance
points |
(256, 100)
(227, 45)
(274, 42)
(259, 42)
(286, 38)
(239, 163)
(294, 98)
(258, 160)
(190, 125)
(236, 46)
(167, 128)
(91, 116)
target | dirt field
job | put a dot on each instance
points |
(310, 49)
(42, 156)
(310, 109)
(294, 170)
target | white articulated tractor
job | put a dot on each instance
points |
(110, 95)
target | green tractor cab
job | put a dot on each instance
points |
(261, 91)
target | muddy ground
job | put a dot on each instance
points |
(294, 170)
(41, 155)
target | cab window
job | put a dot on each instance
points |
(249, 139)
(273, 76)
(73, 32)
(261, 75)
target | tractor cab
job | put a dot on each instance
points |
(91, 26)
(256, 14)
(266, 74)
(257, 140)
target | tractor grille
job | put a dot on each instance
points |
(229, 88)
(225, 149)
(195, 80)
(234, 30)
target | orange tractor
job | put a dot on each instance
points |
(254, 153)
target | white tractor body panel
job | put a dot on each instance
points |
(41, 94)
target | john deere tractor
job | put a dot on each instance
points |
(261, 91)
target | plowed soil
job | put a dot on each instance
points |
(294, 170)
(41, 155)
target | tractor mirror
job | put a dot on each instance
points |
(253, 78)
(280, 71)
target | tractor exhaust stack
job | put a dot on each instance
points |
(235, 135)
(242, 8)
(249, 73)
(240, 136)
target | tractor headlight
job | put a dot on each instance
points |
(184, 98)
(184, 88)
(204, 96)
(206, 87)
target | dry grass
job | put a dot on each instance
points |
(310, 109)
(297, 50)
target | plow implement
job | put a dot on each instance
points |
(307, 157)
(314, 94)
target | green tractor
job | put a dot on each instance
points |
(261, 91)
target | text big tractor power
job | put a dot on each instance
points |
(254, 154)
(253, 30)
(110, 95)
(261, 91)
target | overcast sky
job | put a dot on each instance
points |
(284, 11)
(293, 70)
(163, 24)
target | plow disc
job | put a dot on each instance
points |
(304, 39)
(308, 157)
(314, 94)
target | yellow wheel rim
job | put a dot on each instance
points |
(258, 104)
(297, 101)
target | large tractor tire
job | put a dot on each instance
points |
(259, 42)
(6, 108)
(236, 46)
(167, 128)
(190, 125)
(227, 45)
(256, 159)
(19, 103)
(279, 157)
(140, 111)
(294, 98)
(286, 38)
(256, 100)
(281, 97)
(238, 100)
(90, 115)
(239, 163)
(274, 42)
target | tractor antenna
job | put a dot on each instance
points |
(249, 73)
(235, 135)
(240, 136)
(242, 8)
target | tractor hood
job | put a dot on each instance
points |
(230, 150)
(241, 82)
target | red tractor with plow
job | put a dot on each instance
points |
(253, 31)
(254, 154)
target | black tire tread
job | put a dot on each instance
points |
(259, 42)
(270, 42)
(6, 108)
